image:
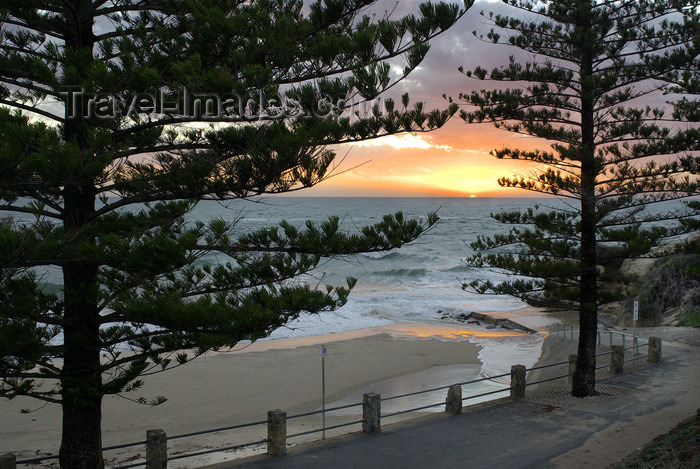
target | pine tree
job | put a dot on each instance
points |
(118, 117)
(615, 162)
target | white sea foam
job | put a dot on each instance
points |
(418, 282)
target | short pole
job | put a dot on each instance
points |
(156, 449)
(611, 341)
(573, 358)
(276, 432)
(635, 316)
(599, 339)
(8, 461)
(654, 353)
(517, 381)
(324, 353)
(371, 413)
(453, 403)
(572, 332)
(617, 359)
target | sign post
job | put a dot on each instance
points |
(635, 317)
(324, 354)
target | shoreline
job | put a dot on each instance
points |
(221, 389)
(400, 330)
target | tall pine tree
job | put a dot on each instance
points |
(116, 118)
(617, 161)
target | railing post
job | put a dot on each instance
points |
(8, 461)
(517, 381)
(156, 449)
(573, 358)
(453, 403)
(617, 359)
(371, 413)
(276, 432)
(600, 342)
(654, 353)
(611, 341)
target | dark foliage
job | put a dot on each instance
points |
(117, 118)
(619, 165)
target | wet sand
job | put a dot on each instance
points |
(222, 389)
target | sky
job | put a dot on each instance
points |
(452, 161)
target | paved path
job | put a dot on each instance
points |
(546, 429)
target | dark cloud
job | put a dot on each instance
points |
(438, 74)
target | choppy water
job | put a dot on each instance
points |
(418, 282)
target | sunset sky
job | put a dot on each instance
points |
(453, 161)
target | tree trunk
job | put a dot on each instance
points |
(81, 443)
(583, 383)
(584, 377)
(81, 377)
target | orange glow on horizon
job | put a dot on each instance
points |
(453, 161)
(421, 173)
(399, 331)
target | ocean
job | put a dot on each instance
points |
(420, 282)
(410, 293)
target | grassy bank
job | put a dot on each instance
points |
(679, 448)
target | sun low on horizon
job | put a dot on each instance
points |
(450, 162)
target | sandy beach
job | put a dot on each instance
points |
(229, 388)
(236, 387)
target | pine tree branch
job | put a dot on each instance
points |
(28, 86)
(33, 27)
(32, 109)
(43, 213)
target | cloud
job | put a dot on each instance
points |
(403, 141)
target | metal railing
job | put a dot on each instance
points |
(607, 363)
(609, 336)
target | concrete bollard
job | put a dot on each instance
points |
(276, 432)
(517, 381)
(156, 449)
(617, 359)
(654, 355)
(453, 403)
(573, 358)
(371, 413)
(8, 461)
